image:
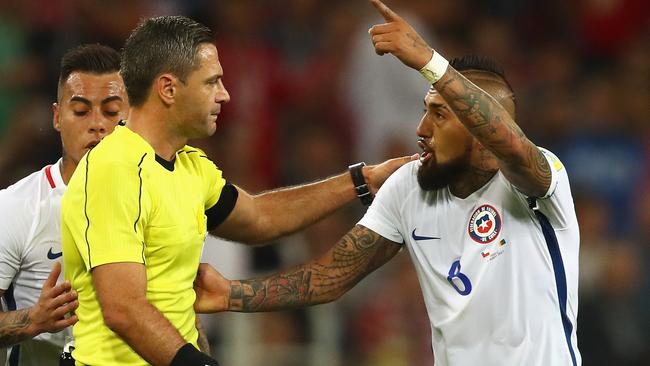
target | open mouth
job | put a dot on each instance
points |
(91, 144)
(427, 152)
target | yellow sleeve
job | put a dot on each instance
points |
(213, 180)
(113, 207)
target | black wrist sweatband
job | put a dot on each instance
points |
(360, 186)
(188, 355)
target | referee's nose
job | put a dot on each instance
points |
(222, 95)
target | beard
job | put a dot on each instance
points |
(433, 175)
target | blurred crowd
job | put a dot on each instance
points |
(310, 97)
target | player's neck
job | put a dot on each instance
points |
(152, 125)
(471, 181)
(483, 165)
(67, 168)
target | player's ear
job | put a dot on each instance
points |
(55, 116)
(166, 88)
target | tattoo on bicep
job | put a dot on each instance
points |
(356, 254)
(540, 167)
(12, 327)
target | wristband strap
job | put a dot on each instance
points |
(188, 355)
(435, 68)
(360, 185)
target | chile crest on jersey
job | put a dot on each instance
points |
(485, 224)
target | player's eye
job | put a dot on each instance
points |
(111, 113)
(80, 113)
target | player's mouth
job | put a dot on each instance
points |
(92, 144)
(427, 151)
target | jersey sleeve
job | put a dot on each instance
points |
(105, 212)
(557, 203)
(15, 227)
(213, 181)
(383, 215)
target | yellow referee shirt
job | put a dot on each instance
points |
(124, 204)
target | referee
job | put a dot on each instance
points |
(138, 207)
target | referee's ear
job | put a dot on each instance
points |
(165, 87)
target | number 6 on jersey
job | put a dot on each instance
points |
(456, 276)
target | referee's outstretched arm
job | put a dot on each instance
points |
(257, 219)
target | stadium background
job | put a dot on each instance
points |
(309, 97)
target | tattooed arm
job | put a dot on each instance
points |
(519, 159)
(47, 315)
(325, 279)
(14, 327)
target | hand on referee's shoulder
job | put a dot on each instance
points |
(398, 37)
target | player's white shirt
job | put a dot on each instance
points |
(496, 292)
(30, 220)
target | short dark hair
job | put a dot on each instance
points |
(490, 67)
(157, 45)
(91, 58)
(482, 63)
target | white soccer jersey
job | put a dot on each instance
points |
(500, 280)
(30, 220)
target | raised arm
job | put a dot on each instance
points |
(47, 315)
(325, 279)
(261, 218)
(519, 159)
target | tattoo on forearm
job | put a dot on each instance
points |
(357, 254)
(491, 124)
(13, 326)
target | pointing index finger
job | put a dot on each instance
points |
(385, 11)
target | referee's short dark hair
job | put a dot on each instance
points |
(90, 58)
(158, 45)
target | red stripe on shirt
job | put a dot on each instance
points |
(48, 174)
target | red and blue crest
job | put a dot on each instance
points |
(485, 224)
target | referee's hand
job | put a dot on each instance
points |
(376, 175)
(49, 314)
(398, 37)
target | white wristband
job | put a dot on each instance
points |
(435, 68)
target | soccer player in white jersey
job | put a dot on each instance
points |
(487, 218)
(91, 101)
